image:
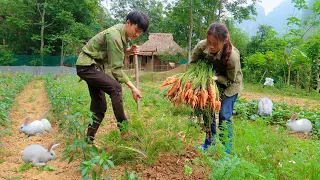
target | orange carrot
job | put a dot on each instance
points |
(174, 88)
(218, 105)
(194, 101)
(200, 99)
(182, 95)
(169, 80)
(205, 96)
(188, 85)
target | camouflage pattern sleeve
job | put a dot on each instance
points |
(197, 52)
(115, 53)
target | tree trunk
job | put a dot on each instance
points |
(284, 74)
(42, 12)
(42, 32)
(309, 83)
(298, 77)
(289, 70)
(288, 77)
(190, 32)
(318, 83)
(318, 75)
(62, 54)
(220, 11)
(263, 75)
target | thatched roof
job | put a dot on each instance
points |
(160, 43)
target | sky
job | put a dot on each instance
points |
(268, 5)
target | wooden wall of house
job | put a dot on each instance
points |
(145, 63)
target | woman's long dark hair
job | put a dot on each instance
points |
(221, 31)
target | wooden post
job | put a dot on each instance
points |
(137, 77)
(152, 61)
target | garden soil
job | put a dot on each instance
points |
(33, 101)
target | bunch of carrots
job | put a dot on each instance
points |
(194, 87)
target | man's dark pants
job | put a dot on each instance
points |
(100, 83)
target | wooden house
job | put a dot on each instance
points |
(157, 44)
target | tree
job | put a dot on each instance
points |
(255, 45)
(190, 30)
(312, 48)
(204, 13)
(25, 22)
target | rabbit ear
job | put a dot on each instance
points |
(53, 146)
(42, 116)
(26, 120)
(50, 146)
(295, 116)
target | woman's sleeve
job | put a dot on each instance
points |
(197, 53)
(231, 72)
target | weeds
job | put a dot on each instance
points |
(11, 85)
(23, 167)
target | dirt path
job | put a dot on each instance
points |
(32, 101)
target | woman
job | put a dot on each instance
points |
(218, 50)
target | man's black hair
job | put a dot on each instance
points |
(139, 18)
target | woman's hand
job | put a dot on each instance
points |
(215, 78)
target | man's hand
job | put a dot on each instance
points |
(136, 94)
(133, 50)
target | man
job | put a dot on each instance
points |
(106, 50)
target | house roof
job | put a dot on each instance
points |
(160, 43)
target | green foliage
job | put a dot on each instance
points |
(37, 61)
(171, 58)
(312, 48)
(24, 167)
(48, 168)
(6, 57)
(10, 86)
(238, 38)
(159, 128)
(12, 178)
(73, 126)
(260, 65)
(102, 161)
(273, 154)
(187, 170)
(282, 111)
(175, 17)
(22, 21)
(70, 97)
(128, 176)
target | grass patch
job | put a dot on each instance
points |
(274, 153)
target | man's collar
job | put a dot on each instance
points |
(123, 34)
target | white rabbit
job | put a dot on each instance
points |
(268, 82)
(265, 107)
(301, 125)
(38, 155)
(46, 123)
(35, 127)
